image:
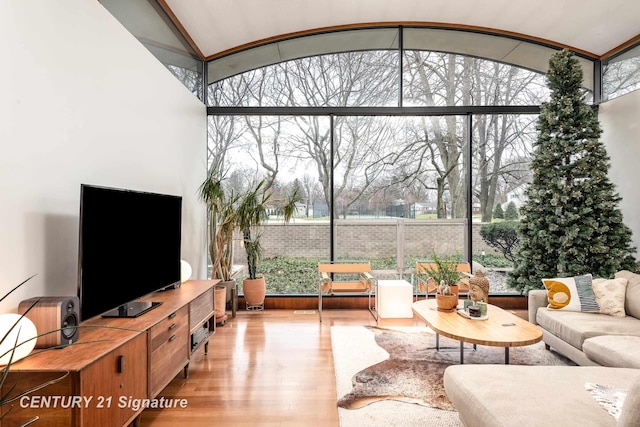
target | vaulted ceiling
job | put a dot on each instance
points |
(592, 27)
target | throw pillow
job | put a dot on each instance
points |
(571, 294)
(610, 294)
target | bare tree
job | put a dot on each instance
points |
(349, 79)
(447, 79)
(621, 76)
(381, 158)
(310, 187)
(225, 132)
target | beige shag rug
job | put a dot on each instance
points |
(393, 376)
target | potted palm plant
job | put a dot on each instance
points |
(251, 215)
(221, 218)
(245, 212)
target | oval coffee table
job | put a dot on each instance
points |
(500, 329)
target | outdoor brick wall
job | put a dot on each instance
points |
(358, 239)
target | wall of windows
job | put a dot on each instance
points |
(397, 155)
(403, 125)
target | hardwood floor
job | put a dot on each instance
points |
(270, 368)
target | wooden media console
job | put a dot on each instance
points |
(117, 363)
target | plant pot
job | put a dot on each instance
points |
(446, 302)
(455, 290)
(229, 285)
(254, 293)
(220, 303)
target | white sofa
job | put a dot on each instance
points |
(539, 396)
(592, 338)
(528, 396)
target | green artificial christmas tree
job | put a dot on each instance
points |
(570, 223)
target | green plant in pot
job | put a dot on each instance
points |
(445, 274)
(221, 218)
(246, 212)
(446, 300)
(251, 215)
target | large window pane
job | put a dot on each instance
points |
(287, 151)
(502, 148)
(400, 189)
(367, 78)
(621, 74)
(302, 47)
(443, 79)
(437, 162)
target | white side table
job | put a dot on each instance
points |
(394, 299)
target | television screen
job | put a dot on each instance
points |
(129, 247)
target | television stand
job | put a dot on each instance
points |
(132, 309)
(120, 361)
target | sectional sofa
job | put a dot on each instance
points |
(605, 346)
(591, 338)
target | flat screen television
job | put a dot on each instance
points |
(129, 247)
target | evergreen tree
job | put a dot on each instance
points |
(571, 223)
(498, 213)
(511, 213)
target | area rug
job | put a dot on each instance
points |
(393, 376)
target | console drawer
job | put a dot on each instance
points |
(169, 348)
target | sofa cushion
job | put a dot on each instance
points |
(512, 395)
(632, 297)
(571, 293)
(630, 414)
(614, 350)
(610, 294)
(574, 327)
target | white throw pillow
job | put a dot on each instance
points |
(610, 294)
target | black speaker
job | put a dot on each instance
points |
(56, 317)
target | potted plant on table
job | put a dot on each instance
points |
(446, 300)
(445, 275)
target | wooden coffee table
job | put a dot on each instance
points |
(500, 329)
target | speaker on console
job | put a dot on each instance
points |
(59, 314)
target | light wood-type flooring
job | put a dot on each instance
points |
(270, 368)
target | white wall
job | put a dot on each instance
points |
(620, 121)
(84, 102)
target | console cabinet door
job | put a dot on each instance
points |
(21, 411)
(116, 383)
(200, 310)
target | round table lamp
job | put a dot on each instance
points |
(18, 335)
(185, 271)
